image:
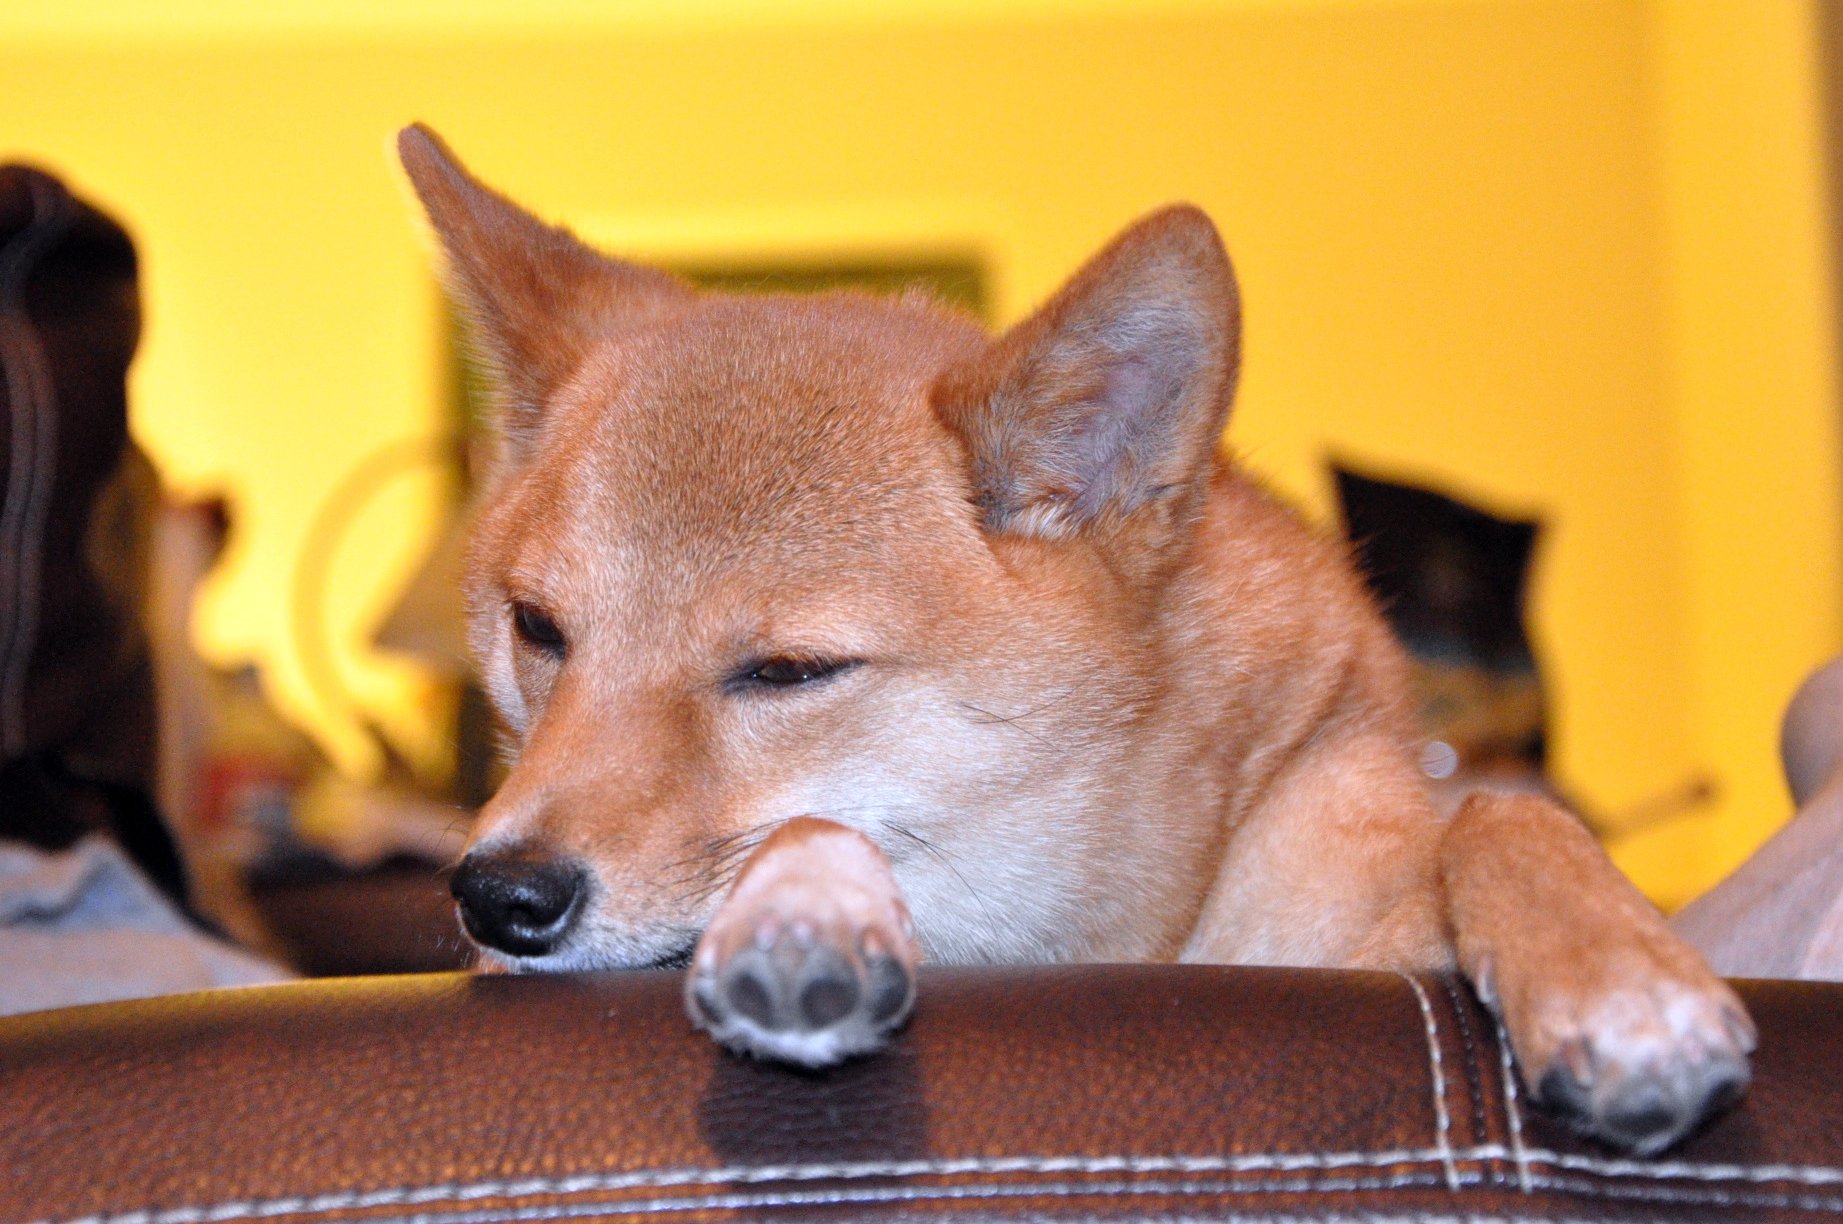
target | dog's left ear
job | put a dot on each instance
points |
(1101, 412)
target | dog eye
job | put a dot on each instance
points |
(536, 627)
(785, 671)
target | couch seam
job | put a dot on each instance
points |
(1351, 1162)
(1519, 1153)
(1474, 1078)
(1279, 1162)
(663, 1178)
(900, 1194)
(1083, 1189)
(1696, 1196)
(1442, 1120)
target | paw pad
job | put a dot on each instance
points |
(797, 996)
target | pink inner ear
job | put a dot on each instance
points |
(1130, 446)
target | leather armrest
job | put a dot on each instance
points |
(1081, 1092)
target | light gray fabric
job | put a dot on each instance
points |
(1811, 741)
(84, 926)
(1781, 913)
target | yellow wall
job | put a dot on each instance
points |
(1501, 243)
(1751, 380)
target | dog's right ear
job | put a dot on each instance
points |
(538, 298)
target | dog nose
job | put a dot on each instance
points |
(518, 901)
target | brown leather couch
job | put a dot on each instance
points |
(1123, 1092)
(1056, 1092)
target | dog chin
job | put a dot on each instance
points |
(583, 957)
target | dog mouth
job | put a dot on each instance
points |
(565, 960)
(678, 959)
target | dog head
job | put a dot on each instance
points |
(742, 559)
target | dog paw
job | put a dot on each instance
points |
(1638, 1064)
(1619, 1026)
(811, 958)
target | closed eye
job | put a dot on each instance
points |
(789, 671)
(538, 629)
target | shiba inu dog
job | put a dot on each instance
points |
(830, 632)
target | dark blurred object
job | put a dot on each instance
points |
(77, 714)
(1452, 580)
(330, 921)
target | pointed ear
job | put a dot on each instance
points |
(538, 299)
(1102, 410)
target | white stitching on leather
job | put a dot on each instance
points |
(1474, 1071)
(410, 1196)
(1443, 1121)
(1679, 1170)
(903, 1194)
(1692, 1195)
(1662, 1172)
(1517, 1150)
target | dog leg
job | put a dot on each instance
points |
(811, 957)
(1618, 1025)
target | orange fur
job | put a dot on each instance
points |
(1094, 695)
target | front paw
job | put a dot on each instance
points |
(811, 957)
(1636, 1055)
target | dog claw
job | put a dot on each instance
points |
(1575, 1062)
(1741, 1030)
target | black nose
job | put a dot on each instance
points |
(517, 900)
